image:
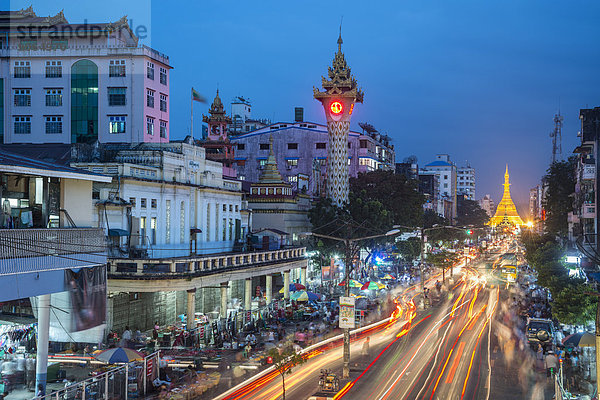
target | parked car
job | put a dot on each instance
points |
(540, 331)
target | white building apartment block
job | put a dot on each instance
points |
(79, 83)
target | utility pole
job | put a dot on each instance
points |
(346, 368)
(421, 265)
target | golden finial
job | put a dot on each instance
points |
(340, 41)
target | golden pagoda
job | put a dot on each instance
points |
(506, 212)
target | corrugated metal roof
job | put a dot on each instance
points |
(16, 163)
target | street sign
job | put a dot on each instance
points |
(347, 312)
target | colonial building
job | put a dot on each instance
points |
(301, 152)
(166, 200)
(277, 209)
(79, 83)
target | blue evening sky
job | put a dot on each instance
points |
(479, 80)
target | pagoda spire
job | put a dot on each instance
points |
(506, 212)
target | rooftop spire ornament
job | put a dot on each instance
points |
(340, 93)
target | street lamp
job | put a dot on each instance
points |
(348, 243)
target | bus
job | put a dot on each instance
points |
(509, 272)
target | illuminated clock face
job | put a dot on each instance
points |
(336, 107)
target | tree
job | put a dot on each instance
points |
(410, 248)
(284, 360)
(397, 194)
(560, 182)
(571, 304)
(470, 213)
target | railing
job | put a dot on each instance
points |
(203, 264)
(37, 250)
(589, 172)
(83, 50)
(117, 383)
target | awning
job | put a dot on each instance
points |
(118, 232)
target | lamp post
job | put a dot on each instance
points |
(349, 250)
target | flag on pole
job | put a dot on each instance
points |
(197, 96)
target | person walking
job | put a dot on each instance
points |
(551, 363)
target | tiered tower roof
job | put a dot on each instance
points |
(506, 212)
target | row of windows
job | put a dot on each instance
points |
(231, 208)
(53, 124)
(116, 69)
(150, 100)
(117, 96)
(116, 124)
(150, 127)
(290, 146)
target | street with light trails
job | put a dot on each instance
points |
(453, 350)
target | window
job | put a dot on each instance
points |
(237, 208)
(132, 201)
(116, 96)
(150, 98)
(163, 75)
(143, 202)
(224, 207)
(445, 176)
(241, 146)
(349, 145)
(116, 68)
(150, 70)
(84, 102)
(321, 145)
(182, 223)
(168, 221)
(163, 102)
(293, 179)
(53, 69)
(208, 222)
(445, 185)
(363, 144)
(54, 124)
(292, 146)
(61, 44)
(22, 97)
(292, 162)
(28, 45)
(153, 203)
(262, 163)
(150, 126)
(53, 97)
(224, 229)
(264, 146)
(153, 230)
(22, 124)
(163, 129)
(117, 123)
(143, 229)
(22, 69)
(231, 208)
(230, 229)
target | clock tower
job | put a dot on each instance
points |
(340, 93)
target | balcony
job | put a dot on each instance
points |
(183, 273)
(588, 172)
(40, 250)
(588, 210)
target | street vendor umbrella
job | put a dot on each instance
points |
(119, 355)
(370, 285)
(303, 295)
(353, 283)
(580, 339)
(294, 287)
(387, 277)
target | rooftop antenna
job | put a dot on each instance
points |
(556, 136)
